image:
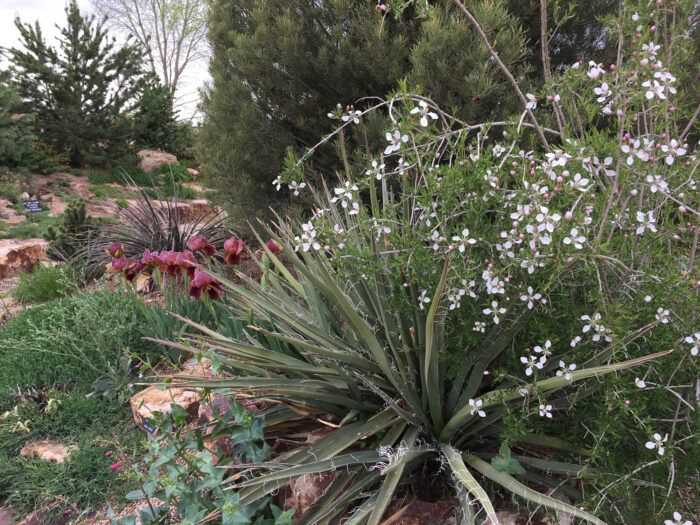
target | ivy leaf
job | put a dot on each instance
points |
(505, 463)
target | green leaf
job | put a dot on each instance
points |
(505, 463)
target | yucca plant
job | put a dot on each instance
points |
(375, 377)
(155, 225)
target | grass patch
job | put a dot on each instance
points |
(98, 177)
(44, 284)
(70, 341)
(104, 190)
(36, 225)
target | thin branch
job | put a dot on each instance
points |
(505, 70)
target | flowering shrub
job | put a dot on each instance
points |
(563, 239)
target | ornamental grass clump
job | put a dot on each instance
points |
(462, 302)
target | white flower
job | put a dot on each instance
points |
(662, 315)
(422, 299)
(277, 183)
(695, 341)
(546, 352)
(475, 407)
(425, 112)
(674, 149)
(498, 150)
(401, 166)
(654, 89)
(395, 141)
(595, 71)
(678, 520)
(352, 115)
(338, 230)
(294, 186)
(596, 325)
(636, 150)
(647, 222)
(355, 209)
(531, 297)
(575, 239)
(658, 443)
(579, 183)
(648, 298)
(479, 326)
(657, 182)
(495, 310)
(532, 101)
(546, 220)
(545, 411)
(639, 382)
(463, 240)
(650, 49)
(603, 92)
(532, 362)
(566, 370)
(377, 170)
(576, 340)
(635, 17)
(344, 194)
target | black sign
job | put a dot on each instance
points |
(32, 206)
(146, 425)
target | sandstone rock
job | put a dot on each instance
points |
(144, 284)
(305, 491)
(152, 400)
(193, 172)
(24, 196)
(47, 450)
(196, 368)
(47, 198)
(151, 159)
(20, 255)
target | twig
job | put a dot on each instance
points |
(503, 68)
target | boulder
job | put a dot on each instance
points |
(152, 159)
(20, 255)
(153, 399)
(47, 450)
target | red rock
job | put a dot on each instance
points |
(20, 255)
(302, 493)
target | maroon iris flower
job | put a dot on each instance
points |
(115, 250)
(150, 258)
(168, 263)
(273, 246)
(199, 243)
(118, 264)
(203, 282)
(133, 268)
(234, 248)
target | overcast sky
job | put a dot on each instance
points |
(52, 12)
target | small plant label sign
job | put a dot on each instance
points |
(148, 427)
(32, 206)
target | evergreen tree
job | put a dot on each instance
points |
(155, 121)
(280, 66)
(16, 136)
(79, 90)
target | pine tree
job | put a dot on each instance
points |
(79, 90)
(16, 136)
(278, 67)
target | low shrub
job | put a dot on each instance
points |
(99, 177)
(69, 341)
(44, 284)
(9, 191)
(175, 172)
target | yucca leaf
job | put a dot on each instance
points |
(511, 484)
(508, 394)
(392, 478)
(434, 384)
(461, 472)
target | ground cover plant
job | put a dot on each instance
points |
(52, 356)
(473, 292)
(45, 283)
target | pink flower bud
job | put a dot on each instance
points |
(652, 29)
(569, 259)
(568, 215)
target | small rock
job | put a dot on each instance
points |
(20, 255)
(144, 284)
(193, 172)
(24, 196)
(47, 450)
(151, 159)
(152, 400)
(35, 518)
(47, 198)
(303, 492)
(196, 368)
